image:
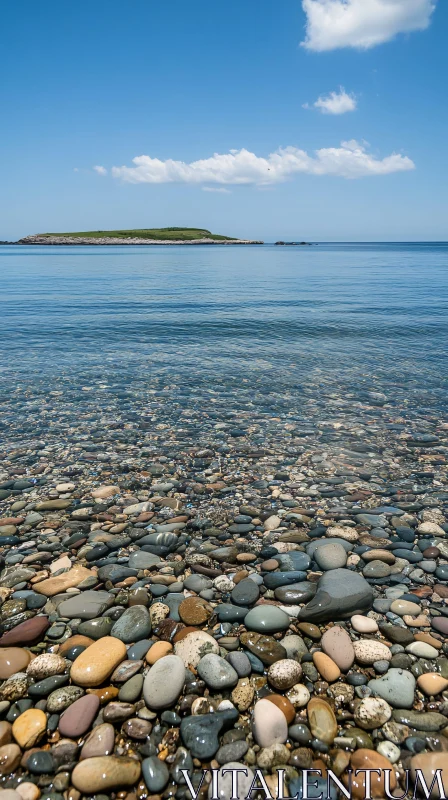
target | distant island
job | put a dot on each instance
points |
(135, 236)
(296, 244)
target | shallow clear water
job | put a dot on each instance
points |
(234, 323)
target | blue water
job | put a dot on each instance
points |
(230, 321)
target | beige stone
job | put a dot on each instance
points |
(322, 721)
(29, 727)
(61, 583)
(326, 667)
(432, 683)
(102, 773)
(157, 651)
(429, 763)
(95, 664)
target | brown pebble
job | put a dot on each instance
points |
(195, 611)
(284, 705)
(29, 727)
(10, 756)
(270, 565)
(5, 732)
(369, 759)
(105, 694)
(12, 660)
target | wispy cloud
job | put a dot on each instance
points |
(350, 160)
(219, 189)
(362, 23)
(335, 102)
(100, 170)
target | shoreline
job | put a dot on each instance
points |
(85, 240)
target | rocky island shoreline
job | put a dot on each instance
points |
(77, 240)
(217, 589)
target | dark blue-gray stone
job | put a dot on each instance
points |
(133, 625)
(200, 732)
(275, 579)
(245, 593)
(340, 594)
(227, 612)
(155, 774)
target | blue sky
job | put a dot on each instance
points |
(99, 84)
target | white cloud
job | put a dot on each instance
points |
(100, 170)
(362, 23)
(216, 189)
(335, 102)
(350, 160)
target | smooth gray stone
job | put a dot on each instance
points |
(331, 556)
(86, 605)
(240, 663)
(133, 625)
(217, 673)
(396, 687)
(245, 593)
(316, 543)
(295, 560)
(155, 774)
(267, 619)
(340, 594)
(197, 583)
(139, 559)
(273, 580)
(131, 690)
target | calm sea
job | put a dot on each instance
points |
(228, 322)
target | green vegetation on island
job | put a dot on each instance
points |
(177, 234)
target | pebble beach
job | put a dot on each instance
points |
(225, 573)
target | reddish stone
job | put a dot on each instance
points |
(29, 632)
(78, 717)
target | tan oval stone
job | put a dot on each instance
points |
(102, 492)
(61, 583)
(322, 720)
(28, 791)
(364, 759)
(243, 694)
(95, 664)
(10, 755)
(157, 651)
(101, 773)
(12, 660)
(432, 683)
(429, 763)
(326, 667)
(363, 624)
(379, 555)
(29, 727)
(405, 607)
